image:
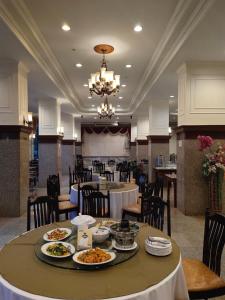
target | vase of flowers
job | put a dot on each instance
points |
(213, 167)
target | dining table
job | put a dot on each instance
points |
(23, 275)
(122, 195)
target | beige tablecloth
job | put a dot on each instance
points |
(24, 276)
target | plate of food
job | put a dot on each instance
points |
(93, 257)
(57, 234)
(58, 249)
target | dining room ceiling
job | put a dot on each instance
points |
(171, 33)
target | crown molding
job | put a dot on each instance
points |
(18, 18)
(187, 15)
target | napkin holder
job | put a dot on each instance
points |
(84, 238)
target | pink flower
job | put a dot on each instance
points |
(205, 142)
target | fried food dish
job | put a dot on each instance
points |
(58, 249)
(94, 256)
(57, 234)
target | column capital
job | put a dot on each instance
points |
(160, 139)
(49, 139)
(142, 142)
(192, 131)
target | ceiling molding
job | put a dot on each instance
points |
(20, 21)
(187, 15)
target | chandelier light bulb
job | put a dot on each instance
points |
(65, 27)
(138, 28)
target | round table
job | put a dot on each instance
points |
(24, 276)
(119, 197)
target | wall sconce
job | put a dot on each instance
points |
(169, 129)
(60, 131)
(75, 136)
(33, 136)
(29, 120)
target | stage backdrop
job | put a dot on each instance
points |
(105, 143)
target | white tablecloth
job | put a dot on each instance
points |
(173, 287)
(95, 176)
(119, 198)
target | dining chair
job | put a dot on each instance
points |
(124, 176)
(71, 179)
(53, 188)
(97, 205)
(203, 277)
(87, 174)
(150, 210)
(42, 210)
(85, 191)
(109, 175)
(158, 186)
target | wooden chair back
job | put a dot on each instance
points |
(109, 176)
(124, 176)
(43, 210)
(97, 205)
(85, 191)
(214, 240)
(152, 211)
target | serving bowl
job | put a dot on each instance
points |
(100, 234)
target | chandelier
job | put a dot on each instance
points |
(106, 110)
(104, 82)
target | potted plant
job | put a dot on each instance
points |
(213, 167)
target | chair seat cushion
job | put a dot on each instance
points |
(199, 277)
(64, 197)
(136, 208)
(66, 205)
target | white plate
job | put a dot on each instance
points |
(45, 246)
(45, 236)
(134, 246)
(75, 258)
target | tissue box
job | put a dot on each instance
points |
(84, 238)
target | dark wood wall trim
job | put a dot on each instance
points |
(158, 139)
(142, 142)
(13, 131)
(49, 139)
(132, 143)
(78, 143)
(191, 132)
(68, 142)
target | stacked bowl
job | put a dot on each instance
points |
(158, 246)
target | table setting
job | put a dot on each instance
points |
(122, 259)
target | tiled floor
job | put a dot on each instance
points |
(186, 231)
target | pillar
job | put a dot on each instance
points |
(68, 143)
(78, 143)
(50, 138)
(201, 111)
(14, 139)
(158, 137)
(142, 132)
(133, 141)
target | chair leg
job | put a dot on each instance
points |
(123, 214)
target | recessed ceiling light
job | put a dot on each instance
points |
(120, 97)
(124, 85)
(65, 27)
(128, 66)
(85, 84)
(92, 105)
(79, 65)
(89, 97)
(171, 96)
(138, 28)
(118, 105)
